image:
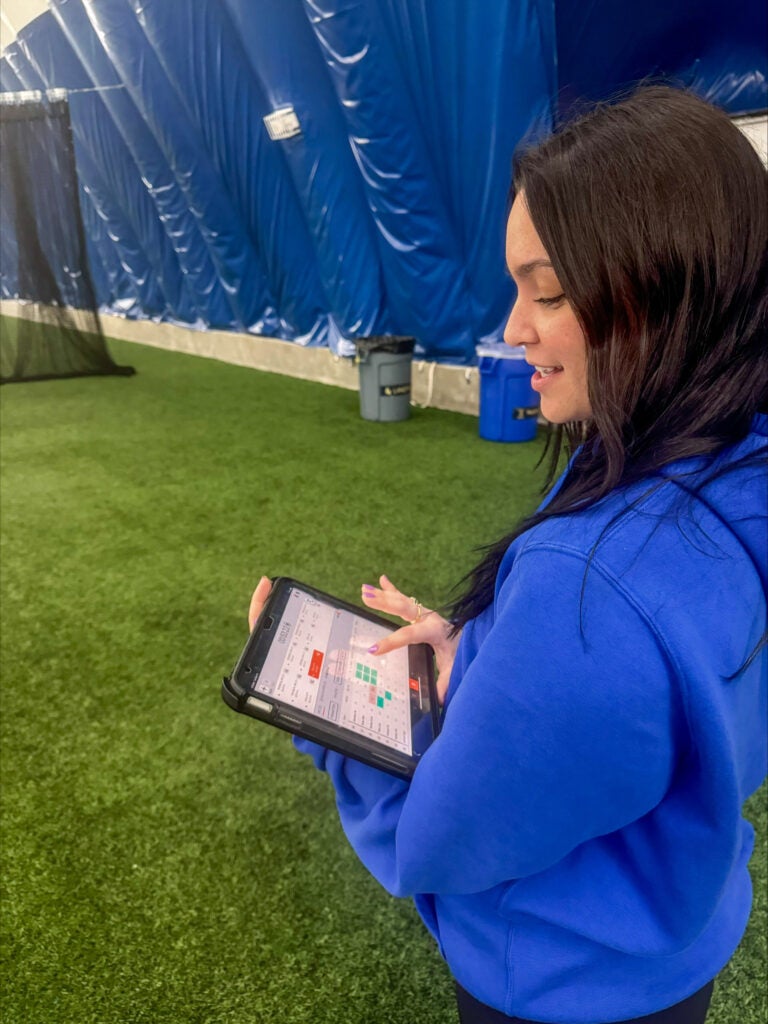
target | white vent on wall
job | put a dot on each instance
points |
(282, 124)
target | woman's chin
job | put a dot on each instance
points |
(558, 412)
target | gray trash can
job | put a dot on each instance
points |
(384, 362)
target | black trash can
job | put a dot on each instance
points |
(384, 362)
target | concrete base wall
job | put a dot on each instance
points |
(434, 385)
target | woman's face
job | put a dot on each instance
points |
(543, 321)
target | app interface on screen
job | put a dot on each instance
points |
(319, 662)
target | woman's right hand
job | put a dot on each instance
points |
(425, 627)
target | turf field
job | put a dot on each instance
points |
(165, 861)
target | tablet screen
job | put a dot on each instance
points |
(318, 662)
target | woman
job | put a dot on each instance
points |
(574, 839)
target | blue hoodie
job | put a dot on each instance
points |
(574, 839)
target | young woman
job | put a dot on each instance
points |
(574, 838)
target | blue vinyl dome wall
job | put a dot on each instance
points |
(386, 214)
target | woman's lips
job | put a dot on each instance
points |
(543, 375)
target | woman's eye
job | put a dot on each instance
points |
(554, 301)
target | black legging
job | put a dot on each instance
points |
(692, 1010)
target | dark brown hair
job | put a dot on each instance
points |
(653, 212)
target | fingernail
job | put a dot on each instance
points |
(368, 588)
(372, 650)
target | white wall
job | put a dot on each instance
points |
(15, 14)
(756, 130)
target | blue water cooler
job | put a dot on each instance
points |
(509, 407)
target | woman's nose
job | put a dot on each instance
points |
(519, 330)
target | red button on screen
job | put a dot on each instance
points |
(316, 664)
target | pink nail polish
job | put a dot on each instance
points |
(372, 650)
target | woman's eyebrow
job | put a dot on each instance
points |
(527, 268)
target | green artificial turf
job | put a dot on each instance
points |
(164, 860)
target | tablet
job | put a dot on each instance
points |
(306, 669)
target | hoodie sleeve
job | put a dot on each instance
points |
(560, 730)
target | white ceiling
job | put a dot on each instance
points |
(15, 14)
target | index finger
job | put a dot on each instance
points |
(400, 638)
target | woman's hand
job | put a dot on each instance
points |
(425, 627)
(258, 600)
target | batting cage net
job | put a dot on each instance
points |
(50, 324)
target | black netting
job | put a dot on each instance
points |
(50, 325)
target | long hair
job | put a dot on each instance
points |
(653, 212)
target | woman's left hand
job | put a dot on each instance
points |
(258, 600)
